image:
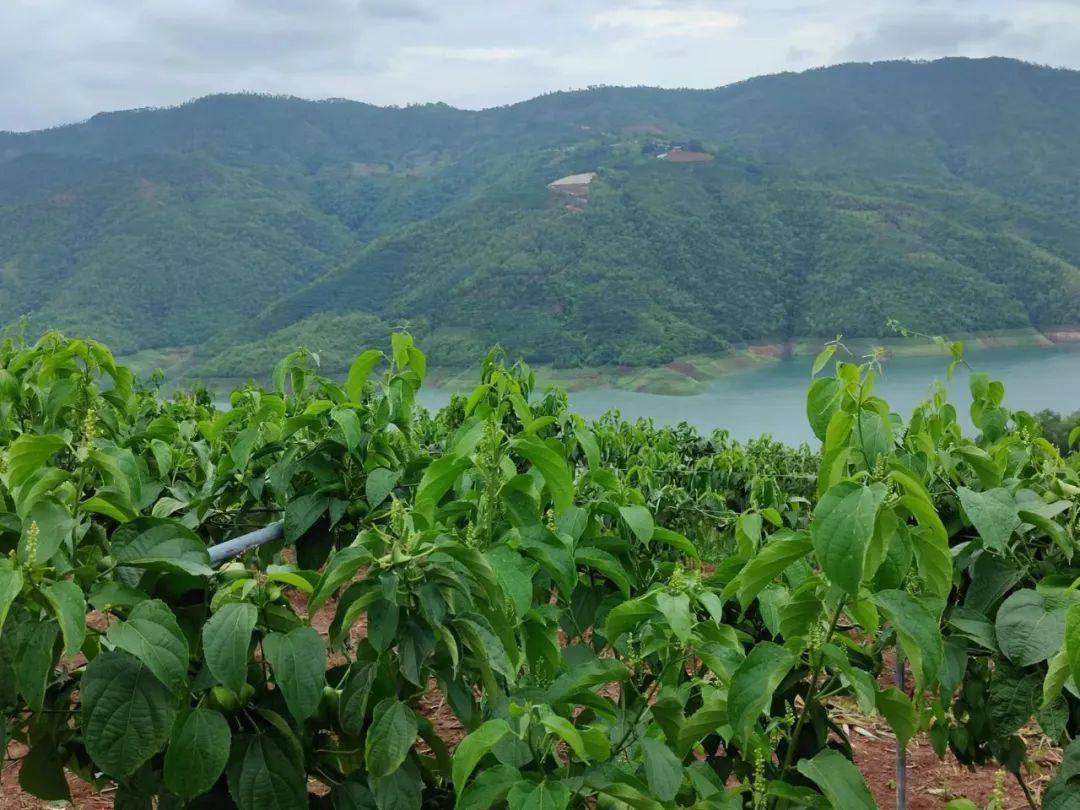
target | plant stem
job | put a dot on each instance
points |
(1027, 791)
(811, 693)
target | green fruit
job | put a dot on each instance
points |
(247, 692)
(230, 572)
(224, 699)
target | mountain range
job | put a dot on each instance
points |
(233, 229)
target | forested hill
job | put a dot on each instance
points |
(942, 194)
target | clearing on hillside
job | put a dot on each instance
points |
(680, 155)
(576, 185)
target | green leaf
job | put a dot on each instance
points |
(340, 568)
(11, 582)
(628, 616)
(676, 609)
(566, 731)
(897, 709)
(349, 423)
(298, 661)
(842, 529)
(226, 638)
(544, 796)
(401, 790)
(41, 773)
(359, 372)
(265, 773)
(379, 484)
(753, 684)
(771, 561)
(355, 694)
(197, 754)
(27, 454)
(839, 780)
(552, 467)
(489, 788)
(1030, 626)
(390, 738)
(166, 546)
(1014, 697)
(607, 564)
(54, 524)
(127, 713)
(1072, 641)
(916, 621)
(993, 513)
(822, 358)
(438, 477)
(34, 660)
(473, 748)
(152, 635)
(68, 604)
(663, 770)
(822, 400)
(301, 513)
(515, 576)
(640, 521)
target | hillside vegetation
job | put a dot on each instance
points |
(945, 195)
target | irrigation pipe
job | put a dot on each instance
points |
(238, 545)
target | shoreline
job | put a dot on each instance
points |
(690, 374)
(684, 376)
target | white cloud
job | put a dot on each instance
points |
(671, 21)
(470, 54)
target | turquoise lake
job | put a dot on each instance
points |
(770, 399)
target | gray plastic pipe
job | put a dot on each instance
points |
(238, 545)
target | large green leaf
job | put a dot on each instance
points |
(640, 521)
(993, 513)
(542, 796)
(359, 372)
(769, 562)
(917, 624)
(839, 780)
(822, 400)
(302, 512)
(226, 638)
(663, 770)
(753, 684)
(552, 467)
(152, 635)
(438, 477)
(298, 661)
(265, 772)
(198, 751)
(69, 606)
(842, 529)
(34, 660)
(390, 738)
(127, 713)
(473, 748)
(379, 484)
(54, 524)
(166, 546)
(27, 454)
(1030, 626)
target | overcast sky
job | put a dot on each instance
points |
(64, 60)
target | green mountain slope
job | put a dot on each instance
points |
(944, 194)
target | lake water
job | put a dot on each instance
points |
(771, 398)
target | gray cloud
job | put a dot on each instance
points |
(64, 60)
(925, 34)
